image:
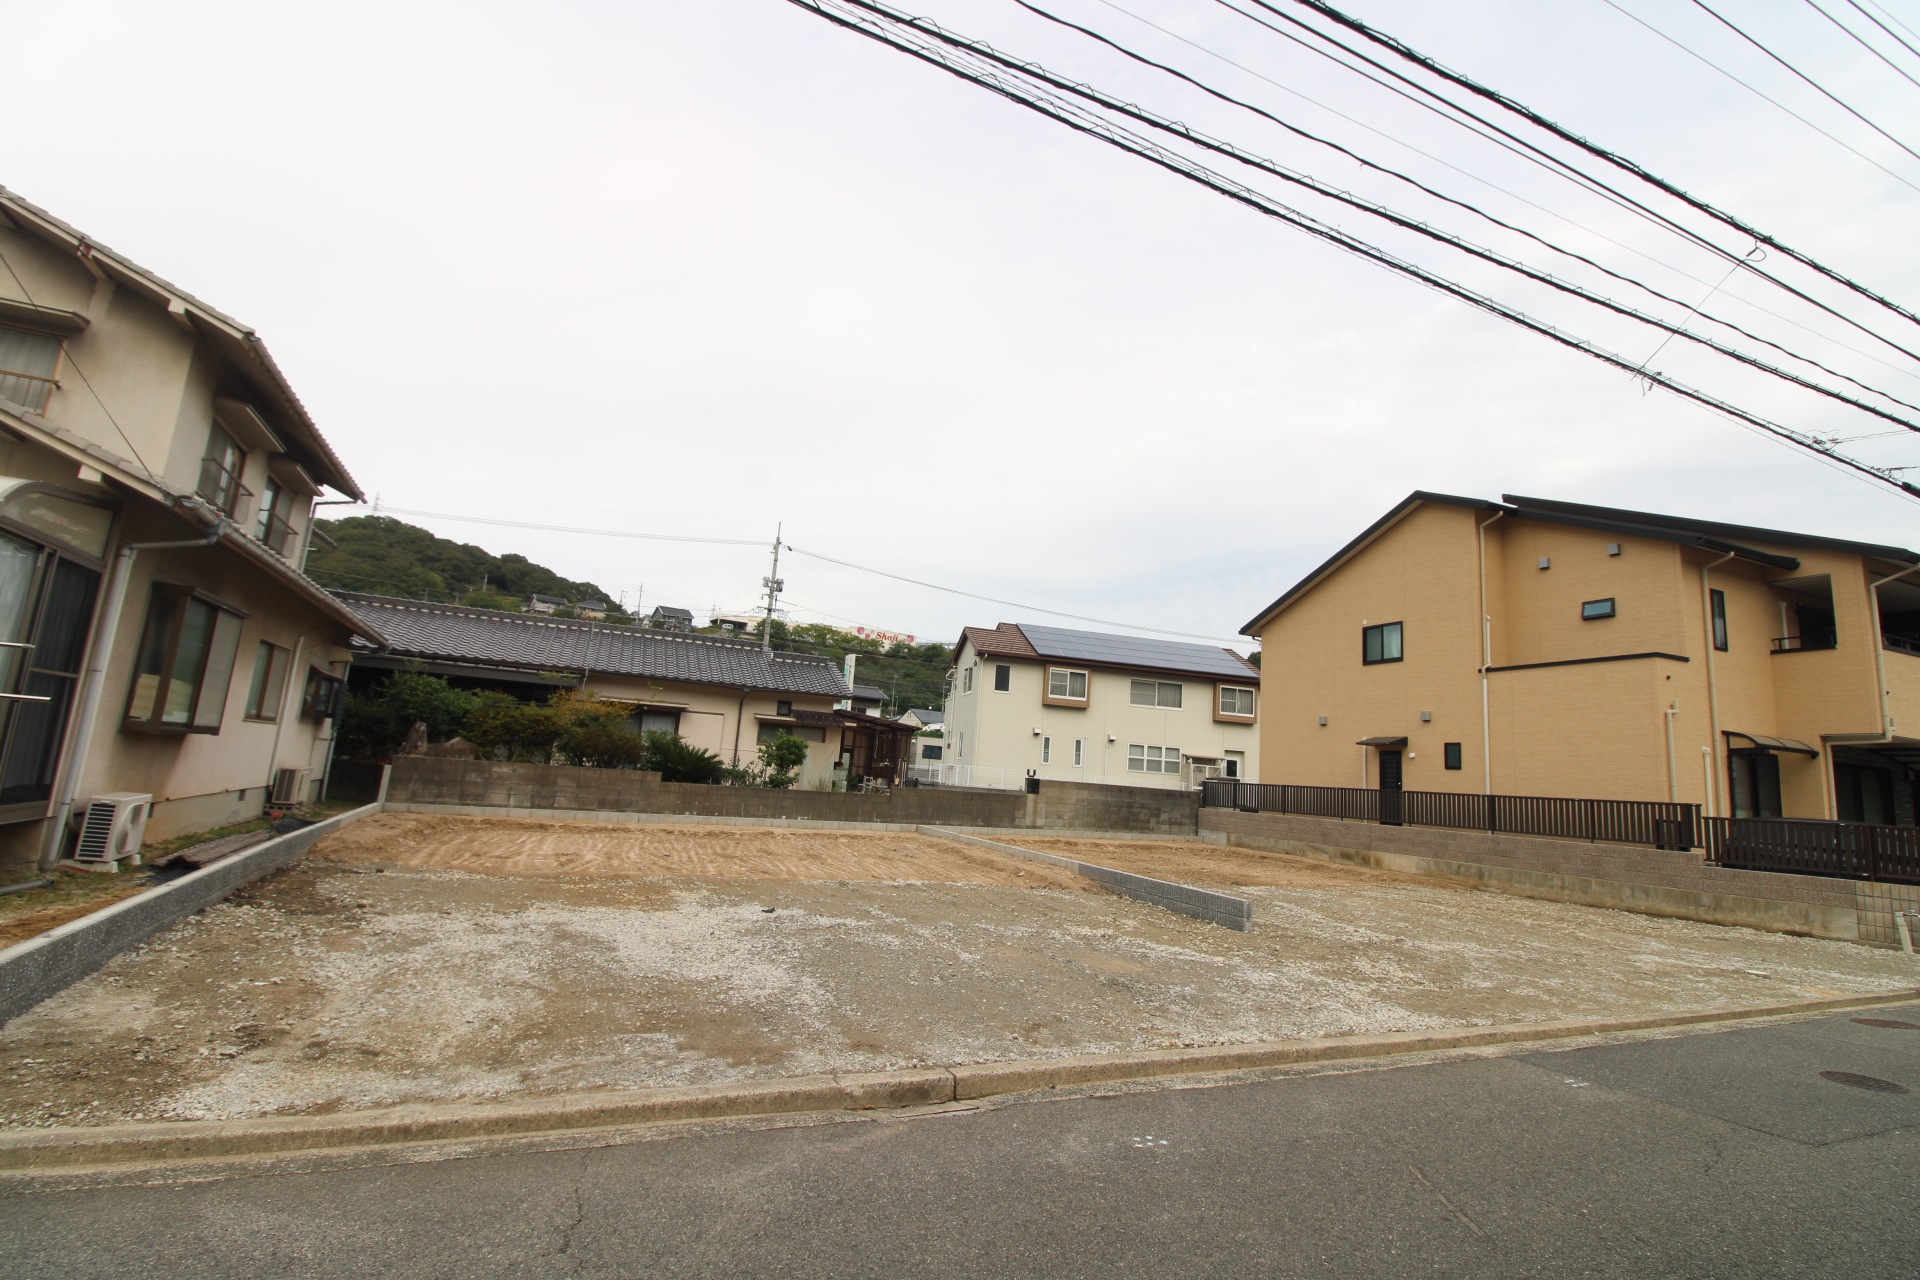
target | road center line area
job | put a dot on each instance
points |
(1708, 1154)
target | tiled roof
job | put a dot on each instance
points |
(1005, 638)
(869, 693)
(453, 633)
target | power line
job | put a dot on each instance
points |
(561, 528)
(1421, 228)
(1494, 186)
(1618, 161)
(1031, 608)
(1693, 53)
(1023, 92)
(1862, 42)
(1701, 4)
(1889, 30)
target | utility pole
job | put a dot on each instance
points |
(774, 587)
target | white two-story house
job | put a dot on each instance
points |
(157, 482)
(1047, 702)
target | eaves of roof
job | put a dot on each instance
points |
(1556, 513)
(1713, 528)
(238, 342)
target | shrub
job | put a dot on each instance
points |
(781, 759)
(680, 761)
(376, 722)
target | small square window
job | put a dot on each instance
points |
(1382, 643)
(1592, 609)
(1452, 750)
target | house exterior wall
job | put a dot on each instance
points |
(718, 720)
(1573, 707)
(999, 727)
(134, 432)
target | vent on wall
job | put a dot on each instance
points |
(114, 828)
(288, 784)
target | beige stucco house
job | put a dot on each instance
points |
(158, 475)
(723, 694)
(1535, 647)
(1049, 702)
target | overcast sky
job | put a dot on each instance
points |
(697, 268)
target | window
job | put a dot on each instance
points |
(1235, 765)
(1719, 619)
(769, 732)
(1002, 677)
(1079, 751)
(1591, 609)
(268, 690)
(1756, 784)
(1865, 795)
(48, 602)
(270, 522)
(28, 363)
(1155, 693)
(184, 664)
(783, 708)
(1235, 702)
(959, 745)
(966, 679)
(1046, 751)
(659, 722)
(1071, 685)
(1381, 643)
(324, 696)
(1452, 750)
(1142, 759)
(220, 471)
(930, 751)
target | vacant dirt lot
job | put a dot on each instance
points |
(416, 958)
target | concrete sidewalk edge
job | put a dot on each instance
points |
(75, 1147)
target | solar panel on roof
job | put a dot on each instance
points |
(1132, 651)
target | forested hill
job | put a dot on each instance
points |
(383, 556)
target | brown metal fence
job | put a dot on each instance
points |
(1661, 824)
(1856, 850)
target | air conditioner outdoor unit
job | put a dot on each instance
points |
(288, 784)
(114, 828)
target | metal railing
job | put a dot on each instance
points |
(1795, 644)
(1662, 824)
(276, 532)
(1906, 644)
(221, 486)
(1855, 850)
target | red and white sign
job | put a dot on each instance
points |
(884, 637)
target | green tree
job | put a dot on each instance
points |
(384, 556)
(377, 721)
(781, 759)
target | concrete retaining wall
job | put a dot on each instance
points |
(1651, 881)
(42, 966)
(1202, 904)
(487, 787)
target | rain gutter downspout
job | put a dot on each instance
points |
(93, 682)
(1713, 689)
(1486, 659)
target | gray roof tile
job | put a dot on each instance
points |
(453, 633)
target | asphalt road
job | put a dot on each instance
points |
(1721, 1154)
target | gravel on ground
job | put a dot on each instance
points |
(557, 957)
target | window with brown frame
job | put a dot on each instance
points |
(1236, 701)
(324, 695)
(184, 665)
(220, 471)
(267, 692)
(1068, 684)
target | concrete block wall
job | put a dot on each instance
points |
(488, 784)
(1651, 881)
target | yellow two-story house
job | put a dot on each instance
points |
(1535, 647)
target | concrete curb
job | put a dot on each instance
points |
(1202, 904)
(40, 967)
(69, 1148)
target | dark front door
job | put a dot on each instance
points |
(1390, 804)
(1756, 784)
